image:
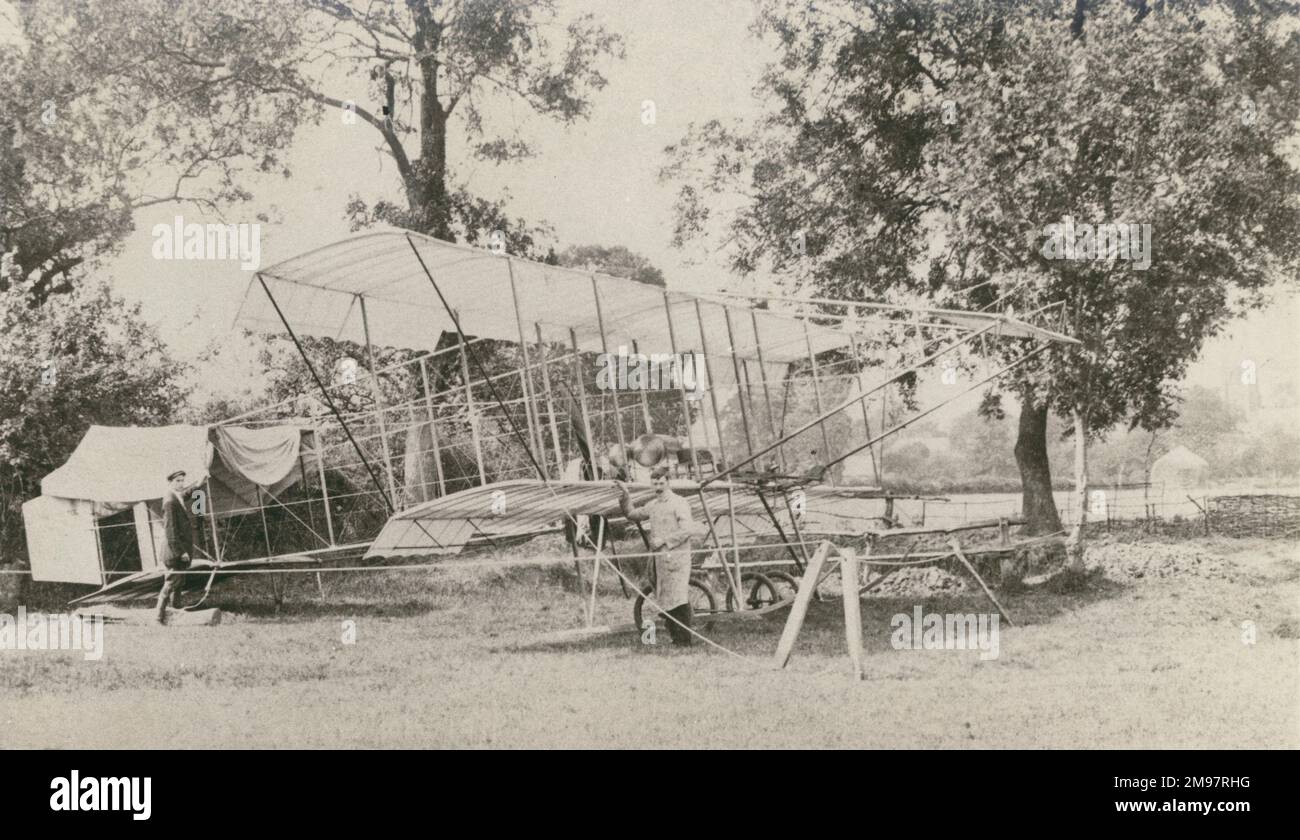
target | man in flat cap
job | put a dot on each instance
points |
(179, 528)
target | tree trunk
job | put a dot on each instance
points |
(1074, 545)
(1037, 503)
(430, 200)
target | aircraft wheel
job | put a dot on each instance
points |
(787, 585)
(703, 604)
(762, 592)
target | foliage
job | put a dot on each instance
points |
(428, 64)
(924, 148)
(616, 261)
(112, 108)
(83, 358)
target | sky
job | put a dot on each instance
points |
(595, 182)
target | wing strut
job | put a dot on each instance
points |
(383, 494)
(514, 427)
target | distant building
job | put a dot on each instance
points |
(1180, 467)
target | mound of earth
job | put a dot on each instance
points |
(921, 580)
(1154, 560)
(1119, 561)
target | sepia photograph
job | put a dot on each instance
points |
(649, 374)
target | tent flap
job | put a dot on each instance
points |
(61, 540)
(264, 456)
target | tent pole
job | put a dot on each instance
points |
(433, 428)
(681, 386)
(713, 394)
(550, 403)
(473, 414)
(817, 397)
(767, 394)
(324, 491)
(388, 503)
(379, 402)
(740, 397)
(525, 375)
(604, 346)
(99, 545)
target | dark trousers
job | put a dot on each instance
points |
(169, 595)
(171, 588)
(679, 634)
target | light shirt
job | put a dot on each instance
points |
(670, 519)
(671, 527)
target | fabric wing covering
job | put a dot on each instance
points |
(376, 276)
(506, 509)
(320, 293)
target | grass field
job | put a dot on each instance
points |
(1147, 663)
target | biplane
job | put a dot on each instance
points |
(488, 425)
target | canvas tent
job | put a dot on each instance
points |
(116, 469)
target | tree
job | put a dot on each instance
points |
(434, 61)
(111, 108)
(83, 358)
(1204, 419)
(103, 117)
(616, 261)
(984, 443)
(926, 148)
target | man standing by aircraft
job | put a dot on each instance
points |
(672, 526)
(179, 529)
